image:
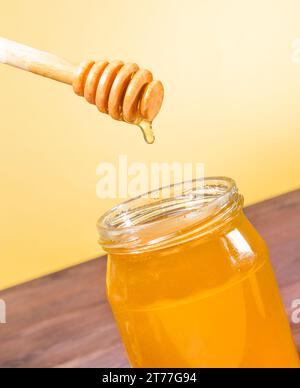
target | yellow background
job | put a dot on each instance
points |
(232, 102)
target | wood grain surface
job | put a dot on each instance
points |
(64, 320)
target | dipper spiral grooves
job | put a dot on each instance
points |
(123, 91)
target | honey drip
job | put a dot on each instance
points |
(147, 130)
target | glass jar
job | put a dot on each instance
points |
(190, 281)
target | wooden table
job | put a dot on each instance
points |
(64, 320)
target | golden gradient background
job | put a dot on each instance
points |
(232, 102)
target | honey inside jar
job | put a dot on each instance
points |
(190, 281)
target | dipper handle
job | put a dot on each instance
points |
(124, 91)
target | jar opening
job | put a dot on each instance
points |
(168, 216)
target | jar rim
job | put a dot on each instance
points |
(167, 216)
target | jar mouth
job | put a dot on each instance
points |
(169, 215)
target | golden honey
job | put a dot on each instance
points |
(191, 284)
(146, 128)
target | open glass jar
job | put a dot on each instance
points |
(190, 281)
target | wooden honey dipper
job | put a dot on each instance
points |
(124, 91)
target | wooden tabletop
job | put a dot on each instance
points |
(64, 320)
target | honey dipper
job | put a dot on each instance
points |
(124, 91)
